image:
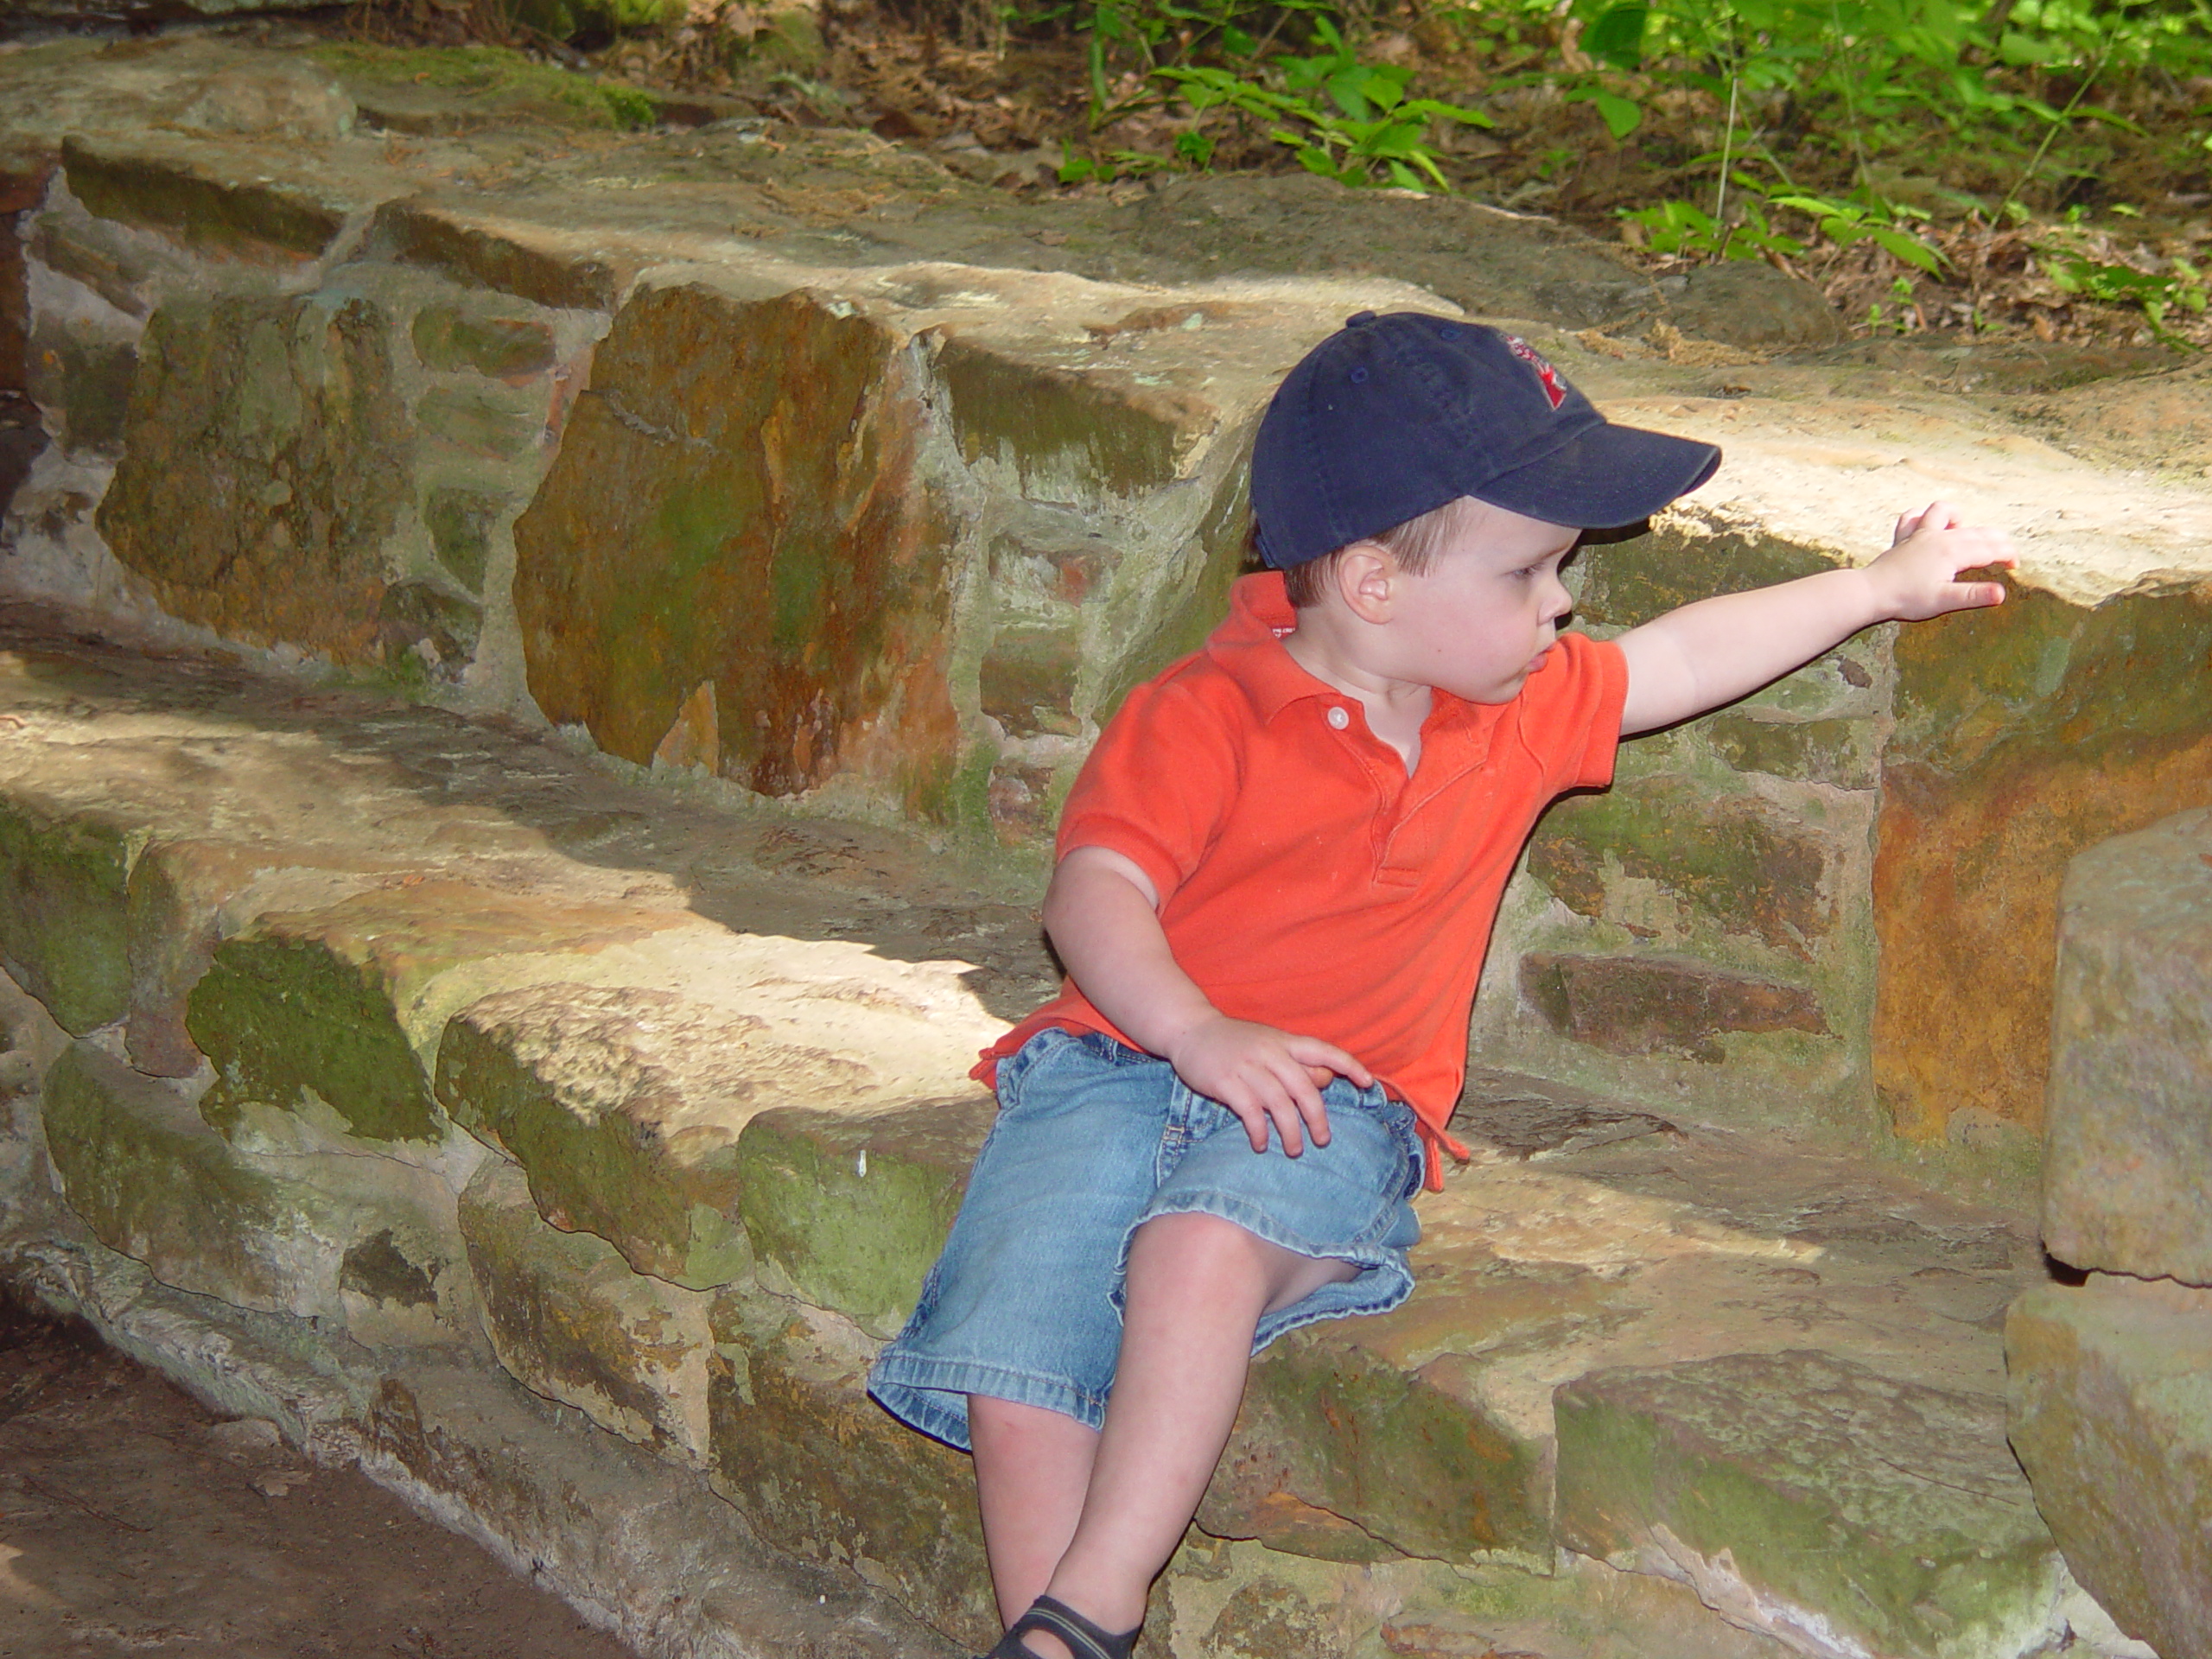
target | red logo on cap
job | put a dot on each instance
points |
(1554, 388)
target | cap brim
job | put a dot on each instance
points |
(1604, 477)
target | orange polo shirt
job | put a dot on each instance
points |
(1305, 881)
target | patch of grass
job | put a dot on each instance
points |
(498, 73)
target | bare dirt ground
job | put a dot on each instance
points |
(132, 1520)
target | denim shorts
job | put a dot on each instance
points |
(1092, 1140)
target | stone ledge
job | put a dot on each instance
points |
(682, 1577)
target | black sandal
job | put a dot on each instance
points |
(1084, 1639)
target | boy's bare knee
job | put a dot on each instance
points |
(1203, 1245)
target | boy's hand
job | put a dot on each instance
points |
(1265, 1076)
(1917, 578)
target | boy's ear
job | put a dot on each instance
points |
(1366, 580)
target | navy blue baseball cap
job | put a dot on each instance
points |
(1392, 417)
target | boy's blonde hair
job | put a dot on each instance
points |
(1415, 544)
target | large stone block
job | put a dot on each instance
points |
(530, 262)
(1736, 864)
(825, 1473)
(2024, 735)
(735, 505)
(188, 192)
(1069, 432)
(319, 1232)
(1650, 1004)
(1345, 1452)
(345, 1005)
(851, 1210)
(2128, 1140)
(1839, 1510)
(569, 1320)
(624, 1106)
(2111, 1397)
(267, 456)
(62, 930)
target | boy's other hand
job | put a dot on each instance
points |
(1265, 1076)
(1917, 578)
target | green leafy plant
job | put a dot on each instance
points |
(2159, 294)
(1680, 228)
(1368, 131)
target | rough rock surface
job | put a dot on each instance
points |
(2129, 1148)
(2112, 1416)
(757, 1088)
(1003, 481)
(797, 476)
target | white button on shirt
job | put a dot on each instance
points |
(1339, 718)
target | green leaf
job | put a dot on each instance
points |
(1621, 116)
(1615, 36)
(1911, 249)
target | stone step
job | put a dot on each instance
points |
(826, 503)
(1004, 484)
(2112, 1407)
(690, 1195)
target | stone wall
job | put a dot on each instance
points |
(2111, 1392)
(613, 616)
(797, 461)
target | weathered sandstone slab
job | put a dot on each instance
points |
(2112, 1417)
(851, 1210)
(825, 1473)
(569, 1320)
(2127, 1154)
(624, 1107)
(347, 1005)
(735, 505)
(2024, 737)
(1844, 1511)
(301, 1230)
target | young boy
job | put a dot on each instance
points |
(1277, 876)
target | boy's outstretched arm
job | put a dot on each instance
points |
(1717, 649)
(1103, 914)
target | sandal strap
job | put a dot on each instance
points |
(1084, 1639)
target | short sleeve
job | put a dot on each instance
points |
(1158, 785)
(1570, 712)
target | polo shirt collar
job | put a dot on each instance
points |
(1248, 647)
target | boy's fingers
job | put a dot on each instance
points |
(1317, 1054)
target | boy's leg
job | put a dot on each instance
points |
(1197, 1285)
(1032, 1466)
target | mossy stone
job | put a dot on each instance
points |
(1892, 1511)
(1839, 751)
(482, 420)
(623, 1107)
(569, 1320)
(222, 214)
(853, 1209)
(460, 522)
(64, 930)
(452, 339)
(1738, 862)
(266, 458)
(284, 1017)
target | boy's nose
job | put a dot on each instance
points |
(1558, 602)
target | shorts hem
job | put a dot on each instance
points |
(1383, 1264)
(908, 1386)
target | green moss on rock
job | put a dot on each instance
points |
(853, 1210)
(1736, 860)
(282, 1017)
(63, 924)
(166, 192)
(1892, 1511)
(623, 1107)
